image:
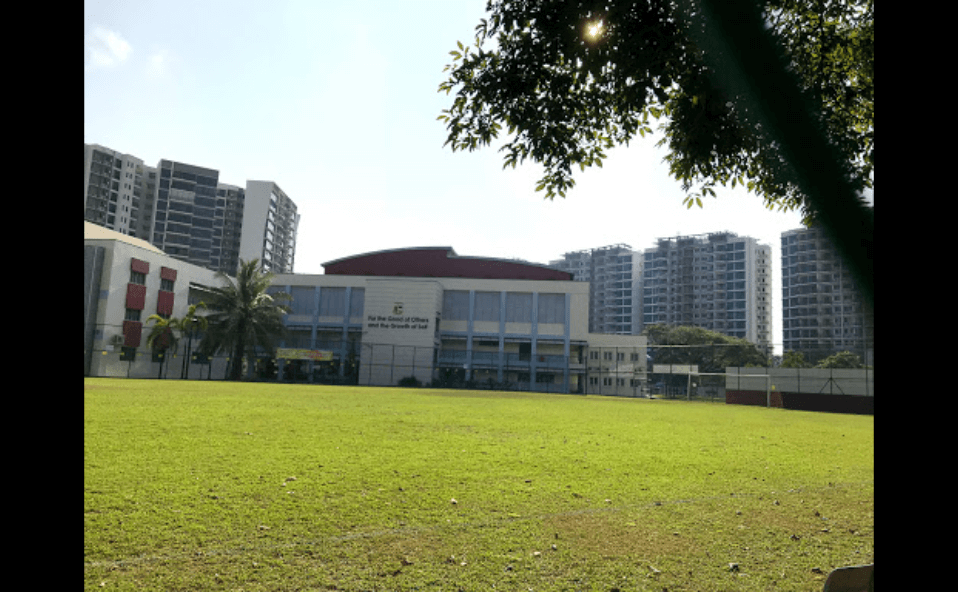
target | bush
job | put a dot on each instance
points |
(410, 381)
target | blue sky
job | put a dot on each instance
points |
(337, 103)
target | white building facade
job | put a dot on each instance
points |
(613, 273)
(270, 223)
(719, 281)
(823, 311)
(126, 280)
(428, 314)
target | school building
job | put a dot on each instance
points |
(375, 319)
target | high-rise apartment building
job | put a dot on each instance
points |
(719, 281)
(233, 199)
(118, 191)
(823, 311)
(270, 222)
(613, 273)
(184, 210)
(187, 214)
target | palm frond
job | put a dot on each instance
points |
(243, 314)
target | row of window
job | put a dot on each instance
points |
(608, 381)
(332, 301)
(518, 307)
(619, 356)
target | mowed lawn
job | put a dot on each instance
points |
(194, 485)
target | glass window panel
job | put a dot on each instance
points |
(455, 305)
(357, 301)
(487, 306)
(552, 308)
(518, 307)
(332, 302)
(303, 297)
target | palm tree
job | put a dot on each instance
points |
(163, 337)
(244, 315)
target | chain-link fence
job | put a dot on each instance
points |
(698, 371)
(351, 362)
(119, 362)
(701, 372)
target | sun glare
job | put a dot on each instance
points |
(594, 30)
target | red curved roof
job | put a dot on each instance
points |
(439, 262)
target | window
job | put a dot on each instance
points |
(455, 305)
(486, 306)
(131, 315)
(357, 301)
(593, 355)
(607, 381)
(332, 302)
(138, 278)
(302, 303)
(552, 308)
(518, 307)
(128, 354)
(620, 357)
(607, 355)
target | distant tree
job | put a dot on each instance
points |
(571, 79)
(793, 359)
(845, 359)
(709, 350)
(244, 316)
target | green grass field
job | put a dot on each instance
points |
(225, 486)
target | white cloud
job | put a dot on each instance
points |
(105, 49)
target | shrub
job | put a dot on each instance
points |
(410, 381)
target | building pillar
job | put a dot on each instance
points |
(502, 337)
(469, 325)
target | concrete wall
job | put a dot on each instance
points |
(809, 389)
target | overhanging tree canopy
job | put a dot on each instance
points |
(572, 79)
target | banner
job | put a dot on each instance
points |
(287, 353)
